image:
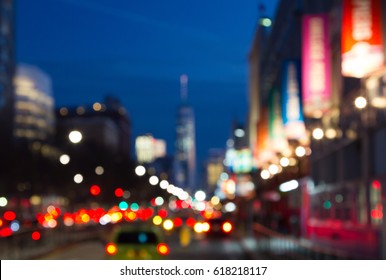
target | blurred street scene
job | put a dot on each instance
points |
(303, 176)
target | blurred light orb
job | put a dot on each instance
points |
(198, 227)
(15, 226)
(200, 195)
(183, 195)
(266, 22)
(331, 133)
(215, 200)
(118, 192)
(105, 219)
(126, 194)
(200, 206)
(140, 170)
(284, 161)
(63, 111)
(35, 235)
(168, 224)
(317, 133)
(134, 206)
(230, 207)
(360, 102)
(3, 201)
(64, 159)
(224, 176)
(68, 221)
(123, 205)
(78, 178)
(292, 161)
(265, 174)
(97, 106)
(99, 170)
(273, 169)
(35, 200)
(75, 136)
(164, 184)
(239, 132)
(300, 151)
(159, 201)
(153, 180)
(170, 188)
(95, 190)
(157, 220)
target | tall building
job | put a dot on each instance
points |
(105, 125)
(102, 155)
(185, 145)
(7, 66)
(34, 118)
(6, 88)
(342, 93)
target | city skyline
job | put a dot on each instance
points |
(137, 54)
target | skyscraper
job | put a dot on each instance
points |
(6, 87)
(34, 105)
(185, 145)
(7, 68)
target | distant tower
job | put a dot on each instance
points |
(185, 145)
(184, 87)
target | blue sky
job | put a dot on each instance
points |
(136, 50)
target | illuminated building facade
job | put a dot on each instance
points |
(148, 148)
(34, 118)
(214, 167)
(340, 171)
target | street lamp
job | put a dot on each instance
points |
(64, 159)
(140, 170)
(75, 136)
(153, 180)
(360, 102)
(78, 178)
(318, 133)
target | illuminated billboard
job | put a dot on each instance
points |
(263, 152)
(292, 110)
(277, 135)
(316, 66)
(362, 51)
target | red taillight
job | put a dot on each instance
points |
(227, 227)
(35, 235)
(163, 249)
(5, 232)
(111, 249)
(205, 226)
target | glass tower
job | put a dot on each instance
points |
(185, 146)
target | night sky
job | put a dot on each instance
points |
(137, 50)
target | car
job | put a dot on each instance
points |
(219, 228)
(136, 242)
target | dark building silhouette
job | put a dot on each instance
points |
(105, 125)
(7, 69)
